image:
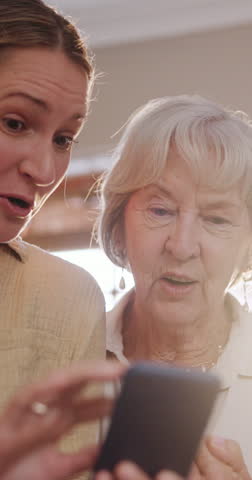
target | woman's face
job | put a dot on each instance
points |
(42, 108)
(184, 244)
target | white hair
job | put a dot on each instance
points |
(215, 143)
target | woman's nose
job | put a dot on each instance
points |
(183, 240)
(39, 166)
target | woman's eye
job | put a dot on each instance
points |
(64, 141)
(217, 220)
(161, 212)
(14, 124)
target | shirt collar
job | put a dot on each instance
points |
(236, 358)
(19, 248)
(114, 338)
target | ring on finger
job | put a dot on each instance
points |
(39, 408)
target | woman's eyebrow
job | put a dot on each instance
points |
(41, 103)
(160, 188)
(37, 101)
(220, 204)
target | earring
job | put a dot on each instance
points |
(245, 305)
(122, 281)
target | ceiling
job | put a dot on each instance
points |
(110, 22)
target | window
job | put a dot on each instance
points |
(102, 269)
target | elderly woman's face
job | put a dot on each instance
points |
(184, 244)
(42, 107)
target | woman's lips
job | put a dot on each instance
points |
(176, 287)
(14, 209)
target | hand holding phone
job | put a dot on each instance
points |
(159, 418)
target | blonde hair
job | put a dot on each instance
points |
(215, 142)
(32, 23)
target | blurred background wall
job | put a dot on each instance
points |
(143, 49)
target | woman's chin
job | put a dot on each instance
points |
(9, 230)
(7, 236)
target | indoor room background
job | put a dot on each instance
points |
(143, 49)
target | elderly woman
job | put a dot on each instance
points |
(176, 212)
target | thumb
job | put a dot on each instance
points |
(228, 451)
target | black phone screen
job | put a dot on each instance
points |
(159, 418)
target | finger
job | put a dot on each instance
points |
(17, 444)
(50, 464)
(209, 466)
(92, 409)
(165, 475)
(64, 466)
(202, 459)
(36, 433)
(129, 471)
(62, 383)
(64, 419)
(103, 475)
(104, 371)
(229, 452)
(48, 428)
(194, 473)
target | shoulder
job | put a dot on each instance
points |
(45, 264)
(57, 302)
(238, 314)
(50, 279)
(241, 336)
(74, 298)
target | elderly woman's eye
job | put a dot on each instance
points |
(14, 124)
(161, 212)
(217, 220)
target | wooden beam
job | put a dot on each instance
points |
(66, 220)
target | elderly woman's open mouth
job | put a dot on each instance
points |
(177, 284)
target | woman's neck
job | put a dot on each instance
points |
(196, 344)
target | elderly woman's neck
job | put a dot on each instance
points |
(195, 344)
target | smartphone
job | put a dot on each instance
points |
(159, 418)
